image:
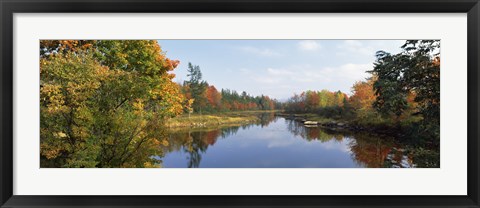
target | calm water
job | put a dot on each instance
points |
(275, 142)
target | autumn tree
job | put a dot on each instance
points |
(322, 102)
(103, 103)
(49, 48)
(363, 95)
(312, 101)
(213, 97)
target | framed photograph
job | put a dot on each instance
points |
(239, 104)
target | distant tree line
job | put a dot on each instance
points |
(204, 97)
(324, 103)
(403, 91)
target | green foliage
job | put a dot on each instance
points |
(414, 71)
(104, 106)
(206, 98)
(390, 86)
(197, 88)
(403, 93)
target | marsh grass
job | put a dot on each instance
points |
(215, 119)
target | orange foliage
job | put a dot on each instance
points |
(364, 95)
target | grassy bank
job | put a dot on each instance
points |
(215, 119)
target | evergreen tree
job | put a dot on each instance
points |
(197, 87)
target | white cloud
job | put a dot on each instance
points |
(309, 45)
(368, 47)
(350, 72)
(306, 77)
(260, 51)
(356, 47)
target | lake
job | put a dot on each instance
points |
(276, 142)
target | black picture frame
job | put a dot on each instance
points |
(9, 7)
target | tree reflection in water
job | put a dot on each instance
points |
(368, 150)
(365, 149)
(196, 141)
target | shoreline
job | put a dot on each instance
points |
(313, 120)
(399, 133)
(215, 119)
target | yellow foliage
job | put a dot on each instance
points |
(98, 96)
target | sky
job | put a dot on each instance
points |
(278, 68)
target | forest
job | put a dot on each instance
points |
(402, 94)
(111, 103)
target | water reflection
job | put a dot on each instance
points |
(194, 142)
(368, 150)
(276, 142)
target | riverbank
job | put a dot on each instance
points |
(313, 120)
(215, 119)
(405, 131)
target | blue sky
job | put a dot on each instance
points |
(278, 68)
